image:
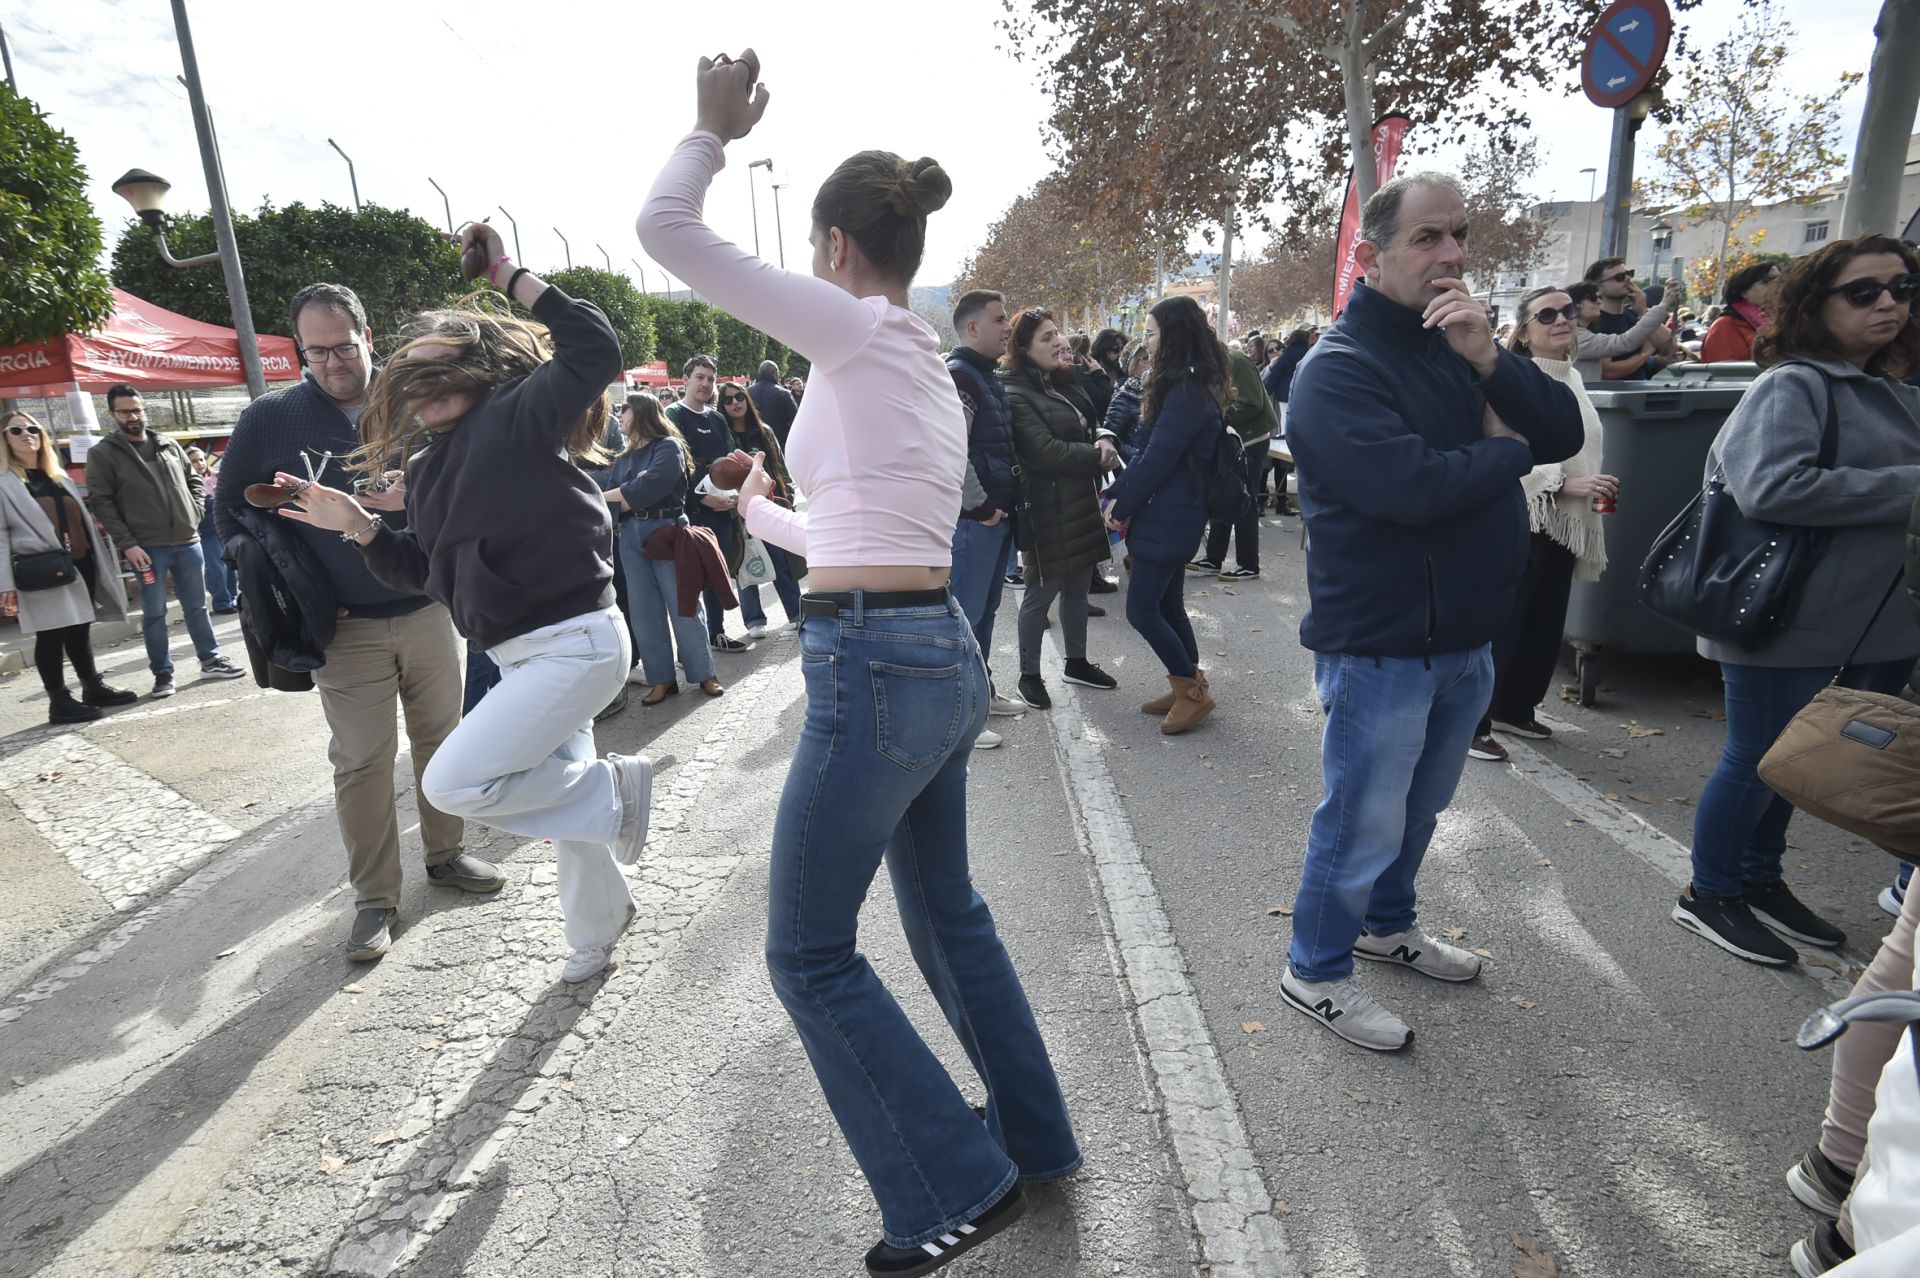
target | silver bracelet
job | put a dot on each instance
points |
(372, 525)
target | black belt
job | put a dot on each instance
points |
(663, 512)
(831, 603)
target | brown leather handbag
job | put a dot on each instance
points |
(1852, 758)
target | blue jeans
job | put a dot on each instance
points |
(222, 585)
(784, 586)
(483, 673)
(980, 557)
(1740, 826)
(895, 699)
(653, 601)
(1157, 608)
(1397, 734)
(190, 588)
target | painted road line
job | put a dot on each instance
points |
(1233, 1216)
(125, 832)
(1656, 847)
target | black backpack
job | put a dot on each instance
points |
(1226, 479)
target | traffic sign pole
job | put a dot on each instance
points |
(1615, 220)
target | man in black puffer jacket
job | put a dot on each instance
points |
(983, 539)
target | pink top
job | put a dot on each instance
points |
(880, 445)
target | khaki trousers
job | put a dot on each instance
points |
(370, 663)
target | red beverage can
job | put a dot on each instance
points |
(146, 577)
(1603, 503)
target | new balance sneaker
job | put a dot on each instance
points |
(1729, 924)
(1005, 705)
(1531, 728)
(591, 960)
(1033, 691)
(885, 1260)
(1347, 1010)
(1820, 1251)
(633, 784)
(1775, 905)
(1424, 954)
(1088, 675)
(221, 668)
(1819, 1184)
(1487, 748)
(988, 740)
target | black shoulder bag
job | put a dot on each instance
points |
(1731, 578)
(47, 569)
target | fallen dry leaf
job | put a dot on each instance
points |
(1280, 911)
(308, 942)
(1614, 753)
(1637, 729)
(1613, 796)
(1280, 1205)
(1714, 713)
(19, 1080)
(1455, 934)
(1643, 798)
(386, 1138)
(432, 1043)
(1486, 954)
(1543, 861)
(331, 1165)
(231, 950)
(350, 989)
(1251, 1027)
(1361, 1097)
(1534, 1261)
(1526, 1003)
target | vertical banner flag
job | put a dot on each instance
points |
(1388, 132)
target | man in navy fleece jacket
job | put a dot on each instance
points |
(1411, 430)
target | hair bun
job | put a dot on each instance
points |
(927, 186)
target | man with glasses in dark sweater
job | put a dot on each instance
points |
(387, 645)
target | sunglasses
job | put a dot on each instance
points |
(23, 430)
(1864, 293)
(1570, 312)
(732, 399)
(1620, 278)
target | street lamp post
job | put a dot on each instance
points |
(779, 236)
(609, 260)
(565, 247)
(643, 273)
(147, 194)
(1586, 236)
(6, 58)
(352, 177)
(444, 200)
(753, 200)
(516, 230)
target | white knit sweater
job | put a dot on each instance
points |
(1570, 521)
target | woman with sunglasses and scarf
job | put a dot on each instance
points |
(41, 513)
(1569, 542)
(750, 435)
(896, 696)
(1843, 334)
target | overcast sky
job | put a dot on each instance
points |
(562, 110)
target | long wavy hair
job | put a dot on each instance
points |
(47, 461)
(651, 424)
(756, 426)
(491, 347)
(1187, 349)
(1796, 328)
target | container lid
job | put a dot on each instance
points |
(1667, 399)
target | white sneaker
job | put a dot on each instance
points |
(633, 782)
(593, 960)
(1422, 953)
(758, 630)
(637, 675)
(987, 740)
(1347, 1010)
(1007, 705)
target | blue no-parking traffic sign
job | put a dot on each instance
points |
(1624, 51)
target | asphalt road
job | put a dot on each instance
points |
(193, 1081)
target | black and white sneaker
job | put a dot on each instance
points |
(1033, 691)
(1820, 1252)
(1347, 1010)
(1532, 729)
(1103, 586)
(1088, 675)
(1487, 748)
(1239, 574)
(1729, 924)
(1818, 1184)
(885, 1260)
(727, 643)
(221, 668)
(1775, 905)
(163, 685)
(1203, 565)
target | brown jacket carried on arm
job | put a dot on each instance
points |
(697, 565)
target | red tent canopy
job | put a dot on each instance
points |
(145, 347)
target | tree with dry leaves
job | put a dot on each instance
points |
(1506, 234)
(1747, 140)
(1050, 249)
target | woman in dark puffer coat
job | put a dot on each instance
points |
(1062, 537)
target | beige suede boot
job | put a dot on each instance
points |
(1191, 703)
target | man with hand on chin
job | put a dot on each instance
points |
(1412, 430)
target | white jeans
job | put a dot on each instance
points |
(523, 761)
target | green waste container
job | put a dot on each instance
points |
(1657, 437)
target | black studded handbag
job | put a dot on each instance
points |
(1725, 576)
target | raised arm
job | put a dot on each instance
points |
(1596, 345)
(824, 323)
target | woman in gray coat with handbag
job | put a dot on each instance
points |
(41, 514)
(1843, 334)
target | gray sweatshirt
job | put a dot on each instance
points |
(1591, 347)
(1770, 445)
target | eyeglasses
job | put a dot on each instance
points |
(1864, 293)
(23, 430)
(1569, 312)
(130, 412)
(319, 354)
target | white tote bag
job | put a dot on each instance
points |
(756, 567)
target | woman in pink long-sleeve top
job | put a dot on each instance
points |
(896, 693)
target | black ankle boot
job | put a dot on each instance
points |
(62, 708)
(97, 692)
